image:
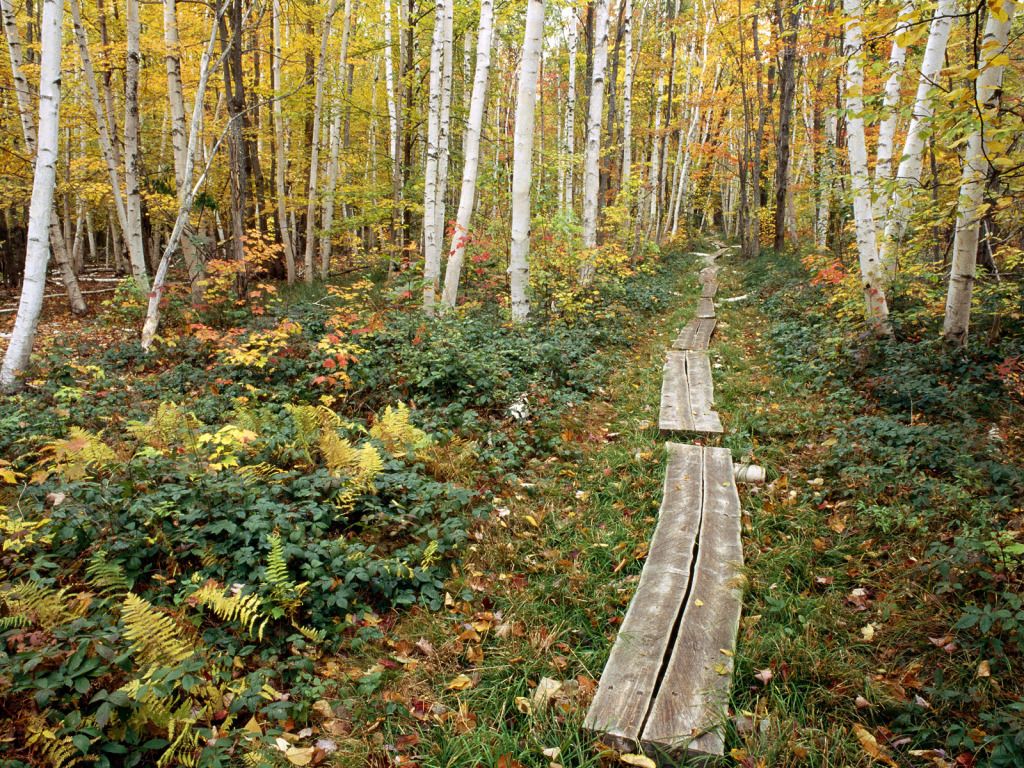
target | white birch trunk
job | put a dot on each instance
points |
(152, 320)
(314, 144)
(826, 182)
(592, 154)
(627, 98)
(444, 122)
(132, 150)
(569, 129)
(467, 197)
(872, 279)
(890, 106)
(522, 161)
(908, 174)
(389, 79)
(179, 137)
(280, 159)
(975, 174)
(333, 169)
(23, 94)
(37, 252)
(431, 237)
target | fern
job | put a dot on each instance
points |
(396, 432)
(313, 635)
(284, 591)
(50, 607)
(108, 578)
(76, 455)
(167, 429)
(17, 621)
(262, 473)
(57, 751)
(156, 638)
(247, 610)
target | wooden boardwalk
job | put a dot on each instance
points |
(665, 685)
(687, 394)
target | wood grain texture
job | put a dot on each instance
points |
(628, 682)
(701, 393)
(695, 335)
(708, 275)
(690, 706)
(702, 340)
(709, 290)
(675, 413)
(705, 308)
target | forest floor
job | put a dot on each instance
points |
(882, 618)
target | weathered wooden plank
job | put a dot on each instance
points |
(687, 338)
(629, 679)
(675, 412)
(709, 290)
(708, 274)
(690, 705)
(702, 338)
(705, 308)
(701, 393)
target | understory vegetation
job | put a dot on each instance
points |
(190, 537)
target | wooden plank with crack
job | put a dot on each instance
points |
(628, 683)
(709, 290)
(689, 708)
(701, 393)
(675, 414)
(705, 308)
(696, 334)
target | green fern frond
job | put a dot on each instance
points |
(247, 610)
(13, 622)
(108, 578)
(313, 635)
(277, 565)
(156, 638)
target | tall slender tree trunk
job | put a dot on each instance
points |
(132, 149)
(987, 89)
(445, 128)
(431, 237)
(326, 237)
(281, 159)
(908, 174)
(872, 278)
(592, 156)
(37, 252)
(312, 189)
(627, 98)
(467, 197)
(58, 241)
(569, 131)
(890, 111)
(522, 161)
(787, 94)
(179, 137)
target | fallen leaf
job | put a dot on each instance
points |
(936, 756)
(984, 670)
(765, 675)
(507, 761)
(642, 761)
(871, 747)
(552, 753)
(546, 690)
(861, 703)
(523, 705)
(868, 632)
(460, 683)
(300, 755)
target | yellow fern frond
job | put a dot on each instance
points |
(76, 455)
(156, 638)
(261, 473)
(338, 453)
(369, 466)
(313, 635)
(171, 427)
(45, 606)
(247, 610)
(107, 577)
(396, 433)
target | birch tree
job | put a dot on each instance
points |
(23, 96)
(627, 96)
(977, 167)
(592, 153)
(872, 281)
(908, 174)
(569, 129)
(44, 178)
(281, 163)
(132, 149)
(314, 144)
(431, 236)
(522, 160)
(467, 197)
(326, 236)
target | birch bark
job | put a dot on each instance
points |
(132, 150)
(467, 197)
(431, 237)
(908, 174)
(37, 252)
(987, 89)
(872, 279)
(592, 155)
(522, 161)
(280, 164)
